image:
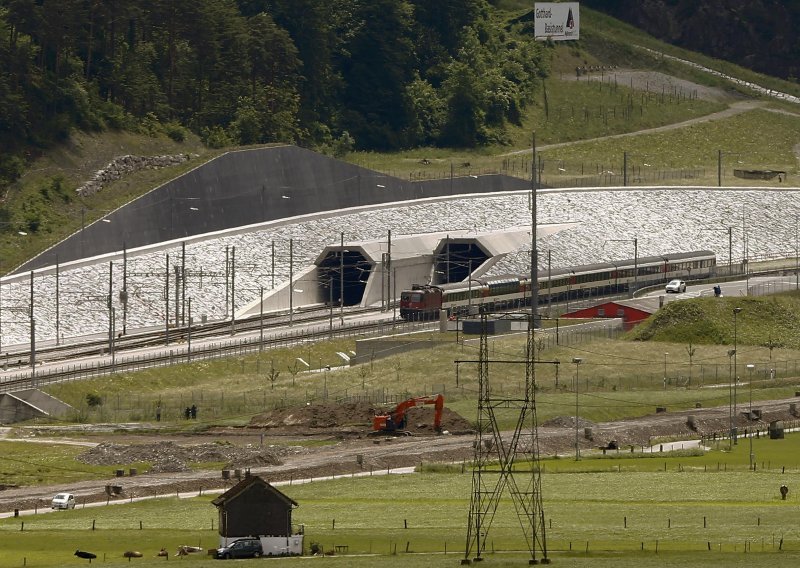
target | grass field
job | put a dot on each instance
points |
(617, 510)
(684, 512)
(618, 378)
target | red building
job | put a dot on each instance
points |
(630, 311)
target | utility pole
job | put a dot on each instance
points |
(534, 252)
(227, 268)
(189, 333)
(110, 306)
(261, 320)
(389, 270)
(33, 332)
(291, 280)
(233, 290)
(341, 280)
(166, 301)
(124, 293)
(624, 169)
(577, 361)
(58, 321)
(183, 282)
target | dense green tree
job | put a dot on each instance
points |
(333, 74)
(313, 26)
(377, 73)
(427, 113)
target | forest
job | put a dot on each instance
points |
(328, 74)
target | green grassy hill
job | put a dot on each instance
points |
(763, 321)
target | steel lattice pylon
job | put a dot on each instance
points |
(488, 484)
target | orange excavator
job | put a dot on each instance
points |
(395, 421)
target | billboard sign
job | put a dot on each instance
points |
(557, 21)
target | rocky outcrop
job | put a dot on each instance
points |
(125, 165)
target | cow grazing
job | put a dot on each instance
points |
(83, 554)
(184, 549)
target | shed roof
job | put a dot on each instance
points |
(247, 483)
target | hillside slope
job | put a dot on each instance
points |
(758, 34)
(765, 321)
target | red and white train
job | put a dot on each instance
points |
(563, 284)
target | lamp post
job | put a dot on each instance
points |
(577, 361)
(730, 398)
(341, 279)
(736, 312)
(750, 368)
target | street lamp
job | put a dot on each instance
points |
(577, 361)
(730, 397)
(750, 368)
(735, 369)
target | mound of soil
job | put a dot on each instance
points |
(567, 422)
(353, 418)
(172, 457)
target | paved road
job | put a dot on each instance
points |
(761, 285)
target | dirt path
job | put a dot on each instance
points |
(347, 454)
(738, 107)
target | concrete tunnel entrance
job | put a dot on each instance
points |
(456, 259)
(342, 276)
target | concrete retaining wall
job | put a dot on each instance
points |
(247, 187)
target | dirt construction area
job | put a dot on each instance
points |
(321, 440)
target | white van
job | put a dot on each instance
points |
(63, 501)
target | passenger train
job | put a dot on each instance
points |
(564, 284)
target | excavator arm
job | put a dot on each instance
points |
(396, 420)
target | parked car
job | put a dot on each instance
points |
(676, 286)
(241, 548)
(63, 501)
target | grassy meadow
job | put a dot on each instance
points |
(682, 511)
(679, 359)
(686, 508)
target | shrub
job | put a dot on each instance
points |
(215, 137)
(93, 400)
(175, 131)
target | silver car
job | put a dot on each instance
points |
(63, 501)
(676, 286)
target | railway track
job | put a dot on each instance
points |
(310, 327)
(175, 335)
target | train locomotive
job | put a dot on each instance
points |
(560, 285)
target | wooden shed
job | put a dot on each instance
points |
(254, 508)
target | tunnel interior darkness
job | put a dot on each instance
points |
(343, 272)
(456, 260)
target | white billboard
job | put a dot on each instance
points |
(557, 20)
